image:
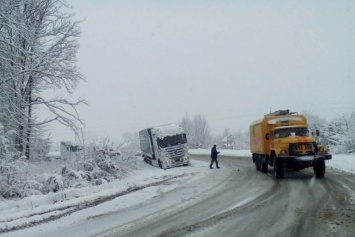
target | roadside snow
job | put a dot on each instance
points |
(343, 162)
(28, 211)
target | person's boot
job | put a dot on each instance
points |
(211, 167)
(218, 167)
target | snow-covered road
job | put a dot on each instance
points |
(235, 200)
(250, 203)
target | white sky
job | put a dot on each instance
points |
(151, 62)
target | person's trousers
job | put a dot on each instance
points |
(214, 160)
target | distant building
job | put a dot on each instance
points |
(67, 148)
(228, 142)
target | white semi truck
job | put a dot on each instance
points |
(164, 146)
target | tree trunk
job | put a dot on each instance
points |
(29, 118)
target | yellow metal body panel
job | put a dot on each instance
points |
(261, 140)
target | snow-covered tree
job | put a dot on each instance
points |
(40, 145)
(129, 144)
(242, 140)
(341, 133)
(197, 131)
(314, 121)
(14, 182)
(331, 131)
(38, 46)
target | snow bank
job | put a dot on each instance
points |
(343, 162)
(38, 208)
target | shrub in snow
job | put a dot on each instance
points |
(340, 134)
(105, 161)
(11, 181)
(14, 183)
(73, 179)
(53, 183)
(59, 197)
(31, 187)
(39, 147)
(68, 178)
(96, 165)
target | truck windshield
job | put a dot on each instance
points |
(290, 132)
(172, 140)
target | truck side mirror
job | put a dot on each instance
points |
(317, 132)
(267, 136)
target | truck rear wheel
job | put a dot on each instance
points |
(278, 169)
(319, 169)
(257, 165)
(264, 167)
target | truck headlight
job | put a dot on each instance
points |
(321, 149)
(282, 152)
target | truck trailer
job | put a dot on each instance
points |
(281, 140)
(164, 146)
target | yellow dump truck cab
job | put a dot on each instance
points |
(281, 140)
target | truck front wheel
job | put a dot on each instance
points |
(319, 169)
(278, 169)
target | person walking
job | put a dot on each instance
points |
(214, 154)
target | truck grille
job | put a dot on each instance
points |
(299, 149)
(175, 152)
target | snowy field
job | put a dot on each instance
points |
(141, 184)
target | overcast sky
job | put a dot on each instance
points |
(148, 63)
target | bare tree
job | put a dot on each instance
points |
(186, 125)
(201, 130)
(343, 133)
(197, 130)
(130, 143)
(242, 140)
(38, 44)
(314, 121)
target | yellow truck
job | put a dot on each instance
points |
(281, 140)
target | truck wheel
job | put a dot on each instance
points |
(264, 167)
(278, 169)
(319, 169)
(257, 164)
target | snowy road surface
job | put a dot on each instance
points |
(235, 200)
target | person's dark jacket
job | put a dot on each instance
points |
(214, 152)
